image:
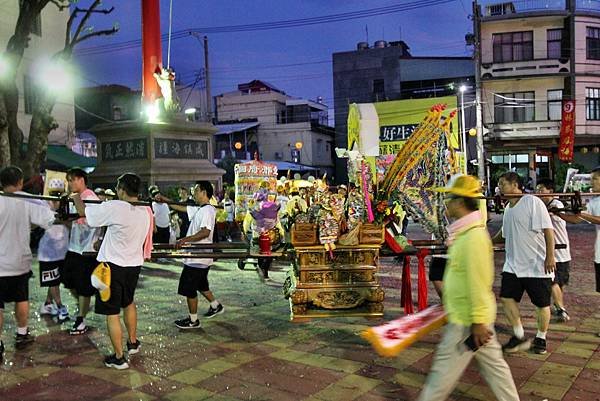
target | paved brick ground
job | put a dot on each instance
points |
(253, 351)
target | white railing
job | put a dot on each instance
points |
(522, 6)
(531, 129)
(494, 8)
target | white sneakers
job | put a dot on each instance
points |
(48, 309)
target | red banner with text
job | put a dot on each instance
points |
(567, 131)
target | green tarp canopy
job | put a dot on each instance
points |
(61, 155)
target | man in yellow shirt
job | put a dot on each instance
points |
(469, 301)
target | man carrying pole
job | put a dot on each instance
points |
(16, 217)
(530, 263)
(128, 233)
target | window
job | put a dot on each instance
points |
(515, 107)
(555, 104)
(36, 24)
(378, 86)
(117, 113)
(555, 38)
(593, 43)
(512, 46)
(592, 103)
(30, 94)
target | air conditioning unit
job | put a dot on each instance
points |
(278, 156)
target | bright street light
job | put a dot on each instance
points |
(54, 75)
(152, 113)
(462, 88)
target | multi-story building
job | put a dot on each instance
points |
(387, 71)
(46, 39)
(533, 55)
(258, 117)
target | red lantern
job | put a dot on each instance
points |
(264, 243)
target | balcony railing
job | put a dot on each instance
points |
(588, 5)
(531, 129)
(524, 68)
(496, 8)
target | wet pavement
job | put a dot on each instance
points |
(253, 352)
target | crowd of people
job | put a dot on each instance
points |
(114, 235)
(532, 226)
(119, 234)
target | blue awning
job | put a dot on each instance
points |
(284, 166)
(226, 129)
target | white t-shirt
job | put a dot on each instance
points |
(83, 236)
(593, 208)
(522, 226)
(16, 217)
(201, 217)
(127, 227)
(560, 233)
(161, 214)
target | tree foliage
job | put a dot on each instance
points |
(12, 149)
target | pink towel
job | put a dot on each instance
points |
(460, 224)
(148, 240)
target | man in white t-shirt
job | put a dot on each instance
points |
(591, 216)
(194, 277)
(77, 267)
(529, 264)
(563, 256)
(16, 217)
(128, 227)
(162, 219)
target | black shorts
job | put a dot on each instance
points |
(561, 275)
(123, 281)
(50, 273)
(192, 280)
(77, 272)
(161, 236)
(14, 288)
(539, 289)
(437, 266)
(597, 268)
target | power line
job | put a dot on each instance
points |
(333, 18)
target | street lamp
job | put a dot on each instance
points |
(462, 90)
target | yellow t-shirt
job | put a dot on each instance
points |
(468, 296)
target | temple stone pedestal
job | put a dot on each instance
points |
(167, 154)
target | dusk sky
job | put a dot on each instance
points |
(436, 29)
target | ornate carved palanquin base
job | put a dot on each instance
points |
(345, 285)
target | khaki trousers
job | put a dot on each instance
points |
(452, 358)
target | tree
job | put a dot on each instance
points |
(42, 122)
(228, 164)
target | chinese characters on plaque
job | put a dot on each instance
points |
(256, 169)
(180, 149)
(129, 149)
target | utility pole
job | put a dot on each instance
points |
(209, 113)
(478, 113)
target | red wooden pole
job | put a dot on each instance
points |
(151, 50)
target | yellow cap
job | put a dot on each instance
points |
(465, 186)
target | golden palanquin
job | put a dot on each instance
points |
(343, 285)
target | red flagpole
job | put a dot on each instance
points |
(151, 50)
